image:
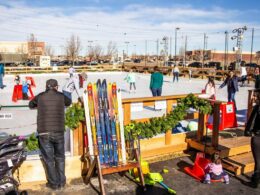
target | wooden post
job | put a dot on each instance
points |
(168, 133)
(249, 103)
(216, 120)
(201, 126)
(78, 140)
(127, 113)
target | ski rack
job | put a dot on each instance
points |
(103, 170)
(91, 160)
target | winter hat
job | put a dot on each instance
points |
(84, 75)
(51, 83)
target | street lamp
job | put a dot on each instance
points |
(176, 29)
(239, 37)
(165, 42)
(127, 42)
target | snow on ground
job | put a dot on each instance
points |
(24, 120)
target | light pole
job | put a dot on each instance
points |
(165, 42)
(135, 50)
(252, 45)
(226, 50)
(176, 29)
(238, 49)
(127, 42)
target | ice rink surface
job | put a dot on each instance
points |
(23, 120)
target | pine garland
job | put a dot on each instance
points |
(32, 143)
(74, 115)
(158, 125)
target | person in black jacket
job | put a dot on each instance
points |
(232, 86)
(253, 129)
(50, 127)
(257, 78)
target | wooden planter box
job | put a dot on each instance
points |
(157, 147)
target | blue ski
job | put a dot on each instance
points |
(102, 122)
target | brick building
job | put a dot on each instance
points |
(218, 56)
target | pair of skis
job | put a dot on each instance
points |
(103, 108)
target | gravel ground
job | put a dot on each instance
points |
(176, 179)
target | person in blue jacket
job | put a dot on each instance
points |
(2, 74)
(232, 86)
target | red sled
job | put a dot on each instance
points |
(198, 169)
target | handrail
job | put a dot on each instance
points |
(150, 99)
(14, 106)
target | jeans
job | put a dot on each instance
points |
(53, 157)
(243, 79)
(67, 94)
(156, 91)
(132, 84)
(231, 98)
(255, 146)
(175, 75)
(1, 81)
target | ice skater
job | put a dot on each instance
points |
(156, 82)
(71, 71)
(130, 78)
(232, 86)
(70, 86)
(176, 72)
(2, 74)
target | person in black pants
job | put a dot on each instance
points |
(51, 127)
(253, 129)
(232, 86)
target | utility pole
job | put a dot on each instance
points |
(123, 57)
(252, 45)
(204, 45)
(145, 52)
(170, 47)
(157, 50)
(185, 49)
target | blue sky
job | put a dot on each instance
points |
(120, 21)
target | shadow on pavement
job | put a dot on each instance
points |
(150, 190)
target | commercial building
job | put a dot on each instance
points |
(19, 52)
(219, 56)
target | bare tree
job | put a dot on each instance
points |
(73, 48)
(98, 51)
(91, 52)
(111, 49)
(49, 51)
(32, 47)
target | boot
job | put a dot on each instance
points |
(254, 182)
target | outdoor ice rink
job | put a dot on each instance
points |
(23, 120)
